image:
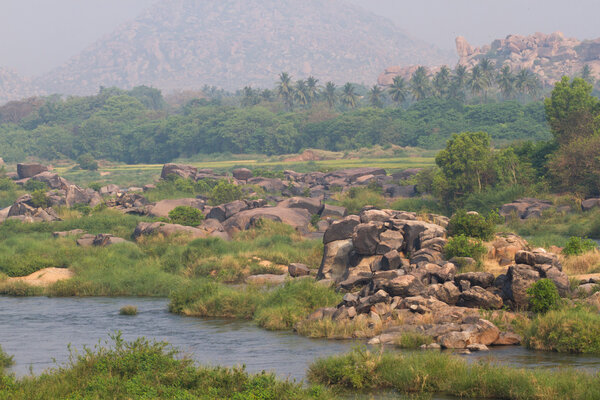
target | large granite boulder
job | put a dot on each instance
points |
(163, 207)
(242, 174)
(295, 217)
(336, 258)
(52, 180)
(366, 238)
(29, 170)
(154, 228)
(342, 229)
(313, 206)
(181, 170)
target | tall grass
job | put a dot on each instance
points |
(435, 372)
(278, 308)
(149, 370)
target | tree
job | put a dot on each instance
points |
(398, 90)
(311, 89)
(349, 98)
(420, 85)
(330, 94)
(478, 81)
(441, 82)
(465, 165)
(487, 68)
(506, 82)
(572, 112)
(375, 96)
(301, 93)
(250, 97)
(586, 74)
(286, 90)
(526, 82)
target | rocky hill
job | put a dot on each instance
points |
(232, 43)
(14, 86)
(549, 56)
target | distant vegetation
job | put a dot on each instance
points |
(140, 126)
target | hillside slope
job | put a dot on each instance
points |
(233, 43)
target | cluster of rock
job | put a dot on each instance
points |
(61, 193)
(393, 267)
(525, 208)
(549, 56)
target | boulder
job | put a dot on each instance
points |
(508, 339)
(329, 211)
(242, 174)
(105, 239)
(153, 228)
(73, 232)
(505, 246)
(478, 297)
(336, 258)
(447, 292)
(389, 240)
(391, 260)
(86, 240)
(589, 204)
(313, 206)
(340, 230)
(403, 286)
(366, 238)
(296, 269)
(111, 189)
(482, 279)
(295, 217)
(52, 180)
(519, 278)
(374, 215)
(270, 185)
(181, 170)
(163, 207)
(30, 170)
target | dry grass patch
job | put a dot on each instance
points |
(586, 263)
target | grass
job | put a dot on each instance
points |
(435, 372)
(345, 329)
(568, 330)
(412, 340)
(128, 310)
(587, 263)
(358, 197)
(5, 360)
(279, 308)
(149, 370)
(155, 266)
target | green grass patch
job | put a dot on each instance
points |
(435, 372)
(149, 370)
(412, 340)
(278, 308)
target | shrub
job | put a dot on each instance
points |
(413, 340)
(39, 198)
(128, 310)
(576, 246)
(84, 209)
(225, 192)
(473, 225)
(96, 186)
(185, 215)
(543, 296)
(87, 162)
(32, 185)
(568, 330)
(464, 246)
(7, 184)
(5, 360)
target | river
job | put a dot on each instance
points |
(38, 330)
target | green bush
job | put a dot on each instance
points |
(87, 162)
(567, 330)
(96, 186)
(225, 192)
(185, 215)
(32, 185)
(473, 225)
(7, 184)
(576, 246)
(39, 198)
(464, 246)
(128, 310)
(543, 296)
(5, 360)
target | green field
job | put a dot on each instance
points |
(140, 174)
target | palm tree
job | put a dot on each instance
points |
(301, 92)
(419, 84)
(457, 83)
(487, 68)
(506, 82)
(329, 94)
(250, 97)
(311, 88)
(376, 96)
(478, 82)
(527, 82)
(441, 82)
(398, 90)
(586, 74)
(349, 98)
(285, 89)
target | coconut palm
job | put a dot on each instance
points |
(487, 68)
(586, 74)
(420, 85)
(398, 90)
(457, 83)
(526, 82)
(478, 82)
(311, 88)
(285, 89)
(301, 93)
(376, 96)
(441, 82)
(329, 94)
(506, 82)
(349, 98)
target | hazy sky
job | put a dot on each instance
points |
(38, 35)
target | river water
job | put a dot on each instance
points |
(38, 330)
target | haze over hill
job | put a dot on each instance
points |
(232, 43)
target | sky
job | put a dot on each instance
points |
(39, 35)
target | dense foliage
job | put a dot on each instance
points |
(125, 126)
(471, 224)
(464, 246)
(576, 246)
(543, 296)
(185, 215)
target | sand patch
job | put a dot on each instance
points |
(45, 277)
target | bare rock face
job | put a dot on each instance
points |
(29, 170)
(336, 257)
(184, 171)
(463, 48)
(153, 228)
(52, 180)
